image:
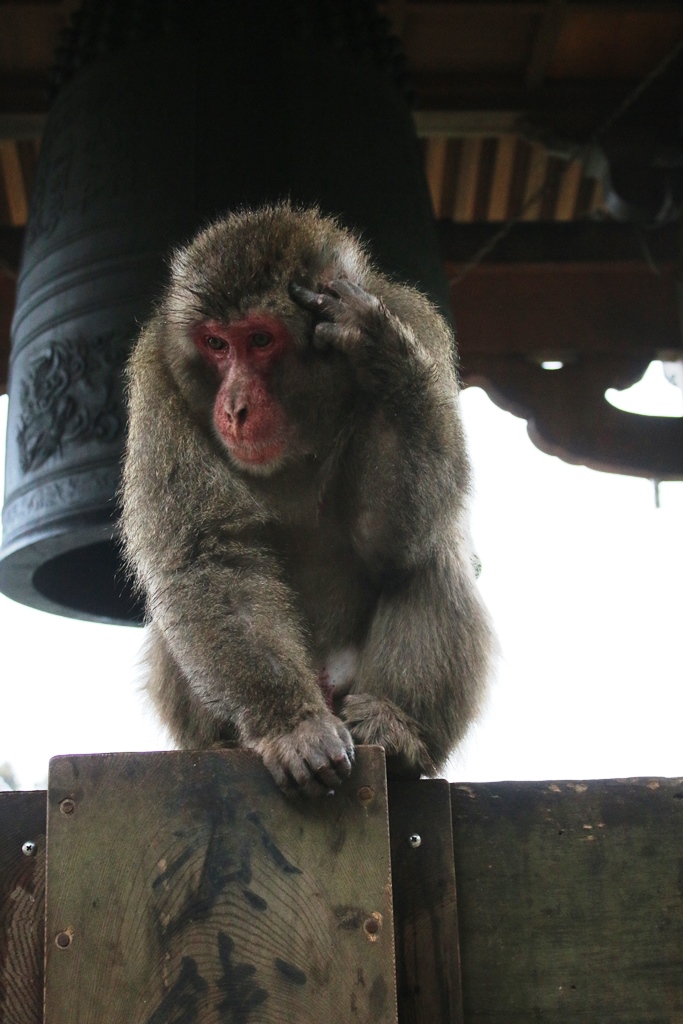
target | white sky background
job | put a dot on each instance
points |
(583, 578)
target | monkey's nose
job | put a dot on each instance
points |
(238, 416)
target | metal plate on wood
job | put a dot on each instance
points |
(22, 906)
(184, 888)
(570, 901)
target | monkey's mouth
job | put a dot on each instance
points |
(259, 455)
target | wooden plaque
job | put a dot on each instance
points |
(185, 888)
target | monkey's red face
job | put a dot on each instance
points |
(247, 414)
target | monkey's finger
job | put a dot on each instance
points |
(332, 761)
(344, 288)
(328, 778)
(331, 775)
(319, 303)
(348, 744)
(294, 778)
(304, 778)
(277, 770)
(342, 753)
(340, 336)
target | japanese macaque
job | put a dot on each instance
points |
(295, 503)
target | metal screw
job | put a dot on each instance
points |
(366, 794)
(372, 925)
(63, 939)
(28, 848)
(415, 840)
(67, 806)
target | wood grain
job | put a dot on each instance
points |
(22, 907)
(185, 888)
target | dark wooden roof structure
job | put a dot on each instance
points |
(552, 147)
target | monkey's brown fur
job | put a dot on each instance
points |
(355, 542)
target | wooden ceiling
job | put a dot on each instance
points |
(480, 69)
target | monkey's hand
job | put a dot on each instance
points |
(358, 324)
(375, 720)
(315, 757)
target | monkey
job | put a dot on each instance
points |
(295, 503)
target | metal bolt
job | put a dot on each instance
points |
(67, 806)
(415, 840)
(366, 794)
(63, 939)
(28, 848)
(372, 925)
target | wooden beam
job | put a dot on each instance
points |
(15, 187)
(604, 317)
(557, 311)
(502, 178)
(466, 194)
(597, 199)
(533, 193)
(563, 243)
(397, 11)
(525, 7)
(545, 42)
(458, 123)
(568, 191)
(435, 168)
(571, 108)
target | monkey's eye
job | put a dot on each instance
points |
(261, 339)
(215, 343)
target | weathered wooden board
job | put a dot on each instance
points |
(425, 909)
(184, 888)
(22, 907)
(570, 901)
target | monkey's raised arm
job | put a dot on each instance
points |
(216, 595)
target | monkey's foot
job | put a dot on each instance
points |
(376, 720)
(312, 759)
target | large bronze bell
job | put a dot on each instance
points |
(167, 114)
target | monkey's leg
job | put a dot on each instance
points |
(424, 666)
